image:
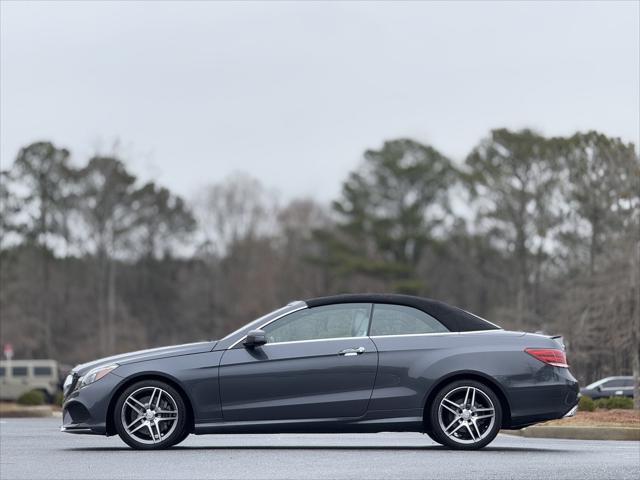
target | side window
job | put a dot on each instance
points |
(628, 382)
(331, 321)
(402, 320)
(19, 371)
(42, 371)
(1, 371)
(613, 384)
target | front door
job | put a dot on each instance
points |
(317, 363)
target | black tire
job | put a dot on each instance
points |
(466, 430)
(431, 435)
(185, 434)
(175, 431)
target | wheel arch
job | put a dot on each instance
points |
(486, 380)
(126, 383)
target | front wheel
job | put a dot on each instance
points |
(465, 415)
(150, 415)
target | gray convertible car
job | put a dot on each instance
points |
(346, 363)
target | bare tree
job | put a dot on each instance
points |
(514, 176)
(108, 204)
(601, 190)
(234, 216)
(237, 208)
(34, 199)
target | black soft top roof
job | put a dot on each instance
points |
(455, 319)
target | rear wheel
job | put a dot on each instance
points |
(465, 415)
(150, 415)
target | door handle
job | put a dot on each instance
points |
(351, 352)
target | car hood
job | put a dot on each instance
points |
(150, 354)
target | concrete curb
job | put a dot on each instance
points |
(578, 433)
(27, 412)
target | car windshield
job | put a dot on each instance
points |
(593, 385)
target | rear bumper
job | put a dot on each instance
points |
(572, 412)
(552, 395)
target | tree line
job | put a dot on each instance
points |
(530, 232)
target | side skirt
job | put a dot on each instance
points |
(367, 424)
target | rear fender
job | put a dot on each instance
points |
(478, 376)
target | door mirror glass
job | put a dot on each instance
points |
(255, 338)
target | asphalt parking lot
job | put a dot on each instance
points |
(34, 449)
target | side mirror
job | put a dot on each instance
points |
(599, 388)
(255, 338)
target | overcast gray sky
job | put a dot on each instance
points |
(295, 92)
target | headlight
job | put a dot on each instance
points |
(67, 382)
(96, 374)
(66, 388)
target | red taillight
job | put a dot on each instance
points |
(550, 356)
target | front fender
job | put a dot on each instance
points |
(195, 375)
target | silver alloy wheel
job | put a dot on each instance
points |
(466, 415)
(149, 415)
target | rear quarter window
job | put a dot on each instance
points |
(403, 320)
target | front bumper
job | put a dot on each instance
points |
(85, 410)
(78, 429)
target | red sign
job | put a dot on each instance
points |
(8, 351)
